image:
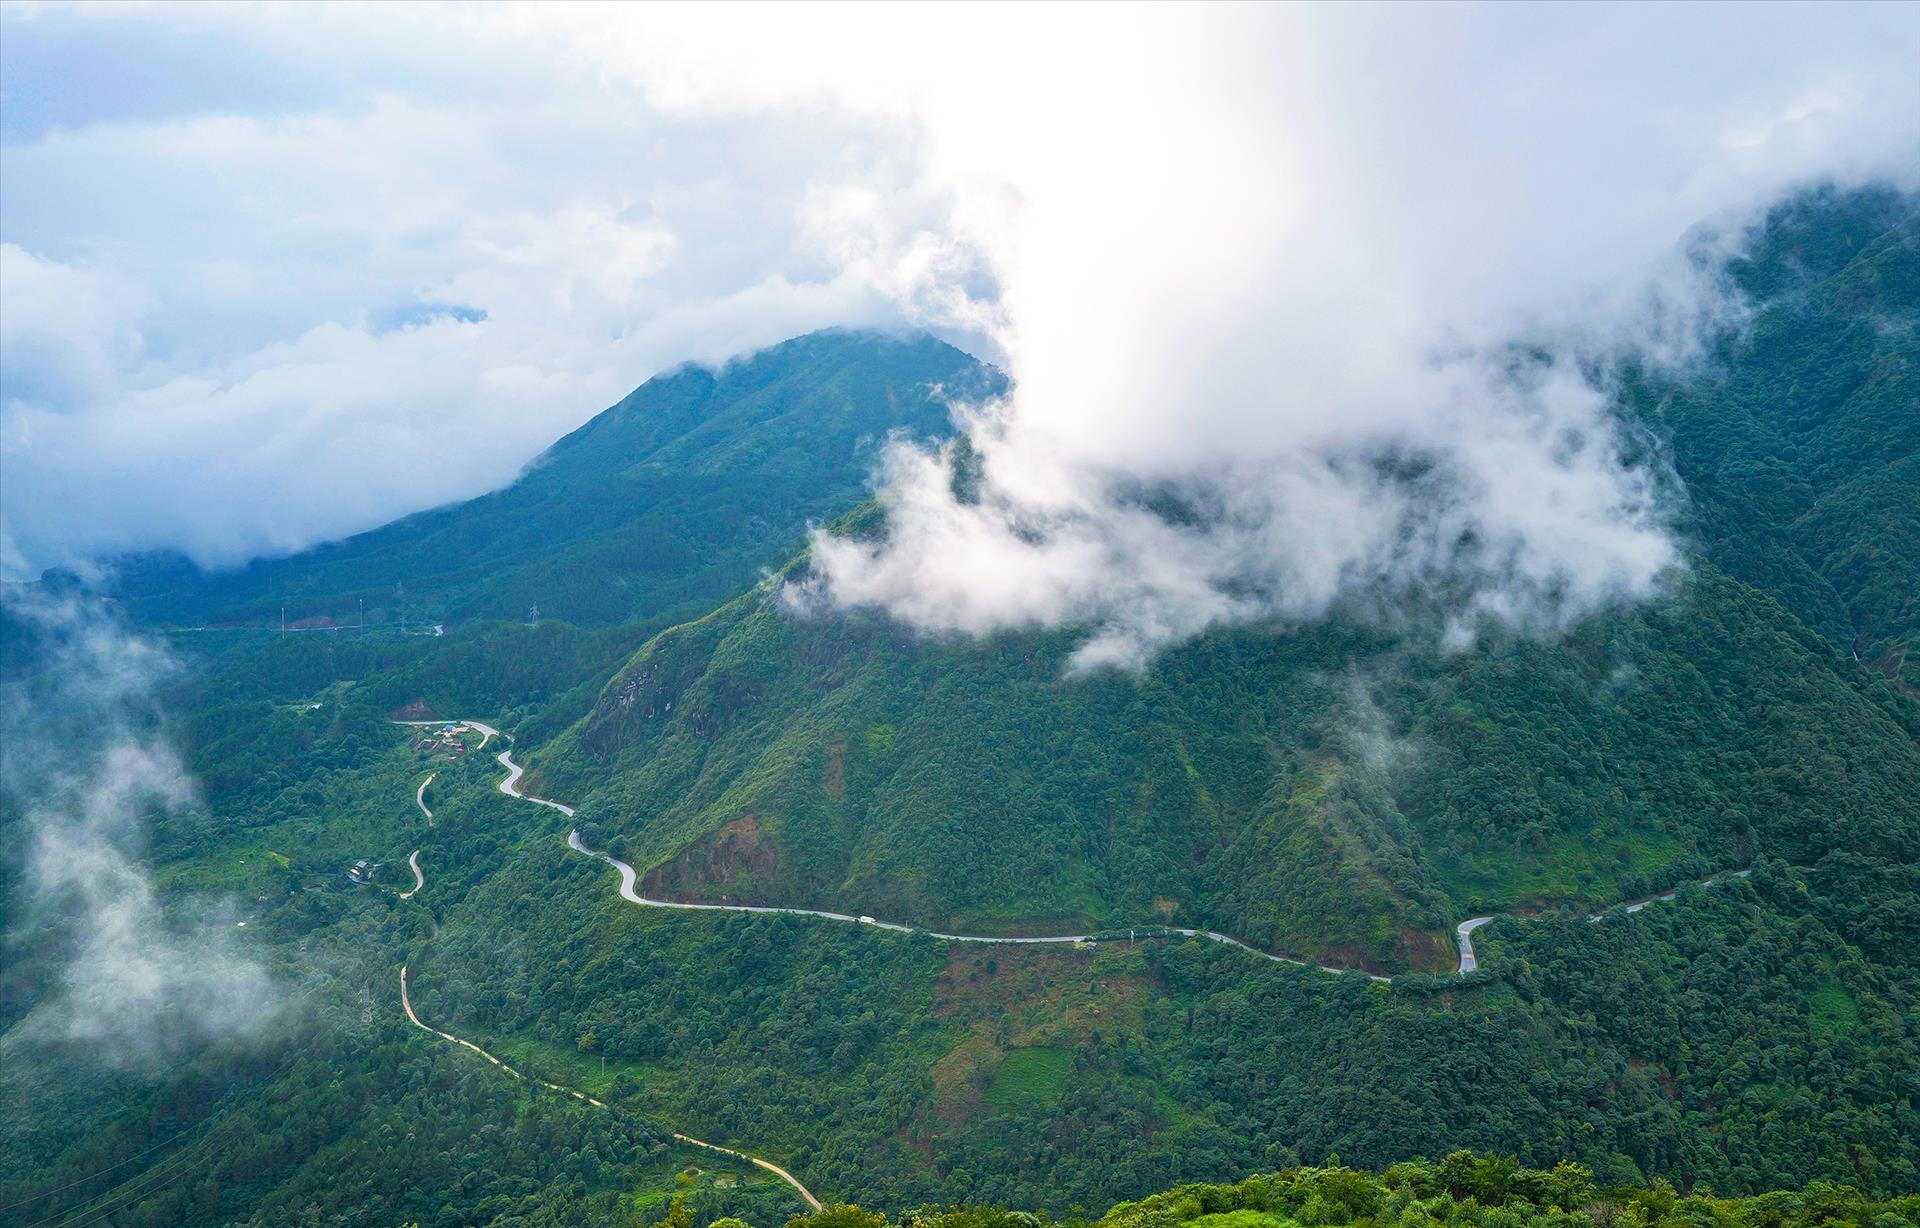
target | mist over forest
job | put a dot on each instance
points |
(921, 617)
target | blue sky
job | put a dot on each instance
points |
(274, 274)
(63, 70)
(269, 274)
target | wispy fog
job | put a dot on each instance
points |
(85, 766)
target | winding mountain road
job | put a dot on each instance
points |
(514, 773)
(629, 879)
(406, 1003)
(629, 882)
(419, 879)
(629, 891)
(1637, 905)
(413, 858)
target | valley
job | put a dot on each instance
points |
(509, 785)
(912, 919)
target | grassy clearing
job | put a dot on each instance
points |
(569, 1067)
(708, 1179)
(1242, 1218)
(1834, 1010)
(1029, 1078)
(1573, 869)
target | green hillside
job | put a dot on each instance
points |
(657, 508)
(1802, 455)
(1743, 1055)
(1318, 792)
(1339, 792)
(1740, 1038)
(1482, 1191)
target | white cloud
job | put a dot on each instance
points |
(1254, 254)
(1229, 254)
(84, 749)
(67, 332)
(238, 334)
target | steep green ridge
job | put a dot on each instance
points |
(1320, 792)
(655, 509)
(1336, 791)
(1332, 791)
(1803, 456)
(796, 761)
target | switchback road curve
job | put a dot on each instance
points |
(629, 883)
(629, 880)
(406, 998)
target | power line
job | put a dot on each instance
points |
(130, 1191)
(21, 1202)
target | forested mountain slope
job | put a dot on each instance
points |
(1801, 453)
(658, 507)
(1322, 792)
(1741, 1037)
(1473, 1191)
(1341, 791)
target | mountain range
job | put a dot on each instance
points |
(1342, 792)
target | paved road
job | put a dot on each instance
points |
(1463, 938)
(420, 797)
(629, 890)
(1462, 933)
(419, 879)
(1637, 905)
(509, 787)
(406, 1004)
(628, 879)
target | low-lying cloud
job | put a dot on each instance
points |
(1494, 495)
(1258, 276)
(87, 765)
(1309, 306)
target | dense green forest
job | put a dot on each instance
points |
(1802, 452)
(1324, 792)
(1462, 1188)
(1343, 791)
(1742, 1036)
(1676, 1040)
